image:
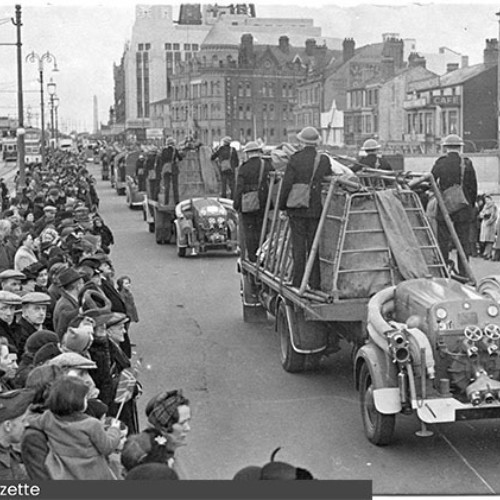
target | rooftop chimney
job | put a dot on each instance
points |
(490, 53)
(387, 67)
(465, 61)
(394, 47)
(284, 44)
(452, 67)
(348, 46)
(310, 46)
(246, 56)
(415, 60)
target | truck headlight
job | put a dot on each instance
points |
(492, 311)
(441, 313)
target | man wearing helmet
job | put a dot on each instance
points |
(227, 159)
(372, 160)
(451, 169)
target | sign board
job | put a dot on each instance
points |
(415, 103)
(446, 100)
(154, 133)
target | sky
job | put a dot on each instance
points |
(88, 36)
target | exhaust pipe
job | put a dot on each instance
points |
(398, 344)
(482, 389)
(470, 349)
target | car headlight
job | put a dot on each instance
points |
(492, 311)
(441, 313)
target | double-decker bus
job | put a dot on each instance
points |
(9, 149)
(33, 146)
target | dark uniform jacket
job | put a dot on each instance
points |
(446, 171)
(23, 330)
(248, 180)
(373, 161)
(171, 154)
(299, 171)
(226, 152)
(9, 332)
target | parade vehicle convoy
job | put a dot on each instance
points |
(423, 342)
(191, 224)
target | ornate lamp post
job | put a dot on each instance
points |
(56, 101)
(51, 89)
(50, 58)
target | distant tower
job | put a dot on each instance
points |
(96, 116)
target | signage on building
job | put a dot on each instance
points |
(446, 100)
(154, 133)
(228, 104)
(415, 103)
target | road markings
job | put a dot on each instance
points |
(468, 464)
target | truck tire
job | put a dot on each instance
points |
(379, 428)
(291, 361)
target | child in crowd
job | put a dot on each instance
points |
(79, 444)
(123, 285)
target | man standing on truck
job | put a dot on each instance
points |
(169, 159)
(372, 159)
(227, 159)
(449, 170)
(252, 185)
(306, 168)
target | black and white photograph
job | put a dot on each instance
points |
(250, 241)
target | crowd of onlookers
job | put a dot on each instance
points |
(68, 377)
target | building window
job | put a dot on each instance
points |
(271, 133)
(271, 89)
(240, 112)
(285, 112)
(271, 112)
(177, 57)
(147, 46)
(177, 46)
(248, 89)
(240, 89)
(195, 47)
(453, 122)
(168, 46)
(249, 133)
(264, 111)
(140, 47)
(284, 132)
(248, 113)
(187, 46)
(188, 56)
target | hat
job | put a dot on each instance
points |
(370, 145)
(31, 272)
(151, 471)
(38, 339)
(13, 404)
(102, 257)
(53, 192)
(226, 140)
(170, 141)
(161, 408)
(73, 360)
(39, 298)
(11, 273)
(91, 262)
(46, 352)
(116, 318)
(452, 140)
(281, 471)
(49, 208)
(67, 231)
(68, 276)
(94, 302)
(252, 146)
(9, 298)
(92, 239)
(309, 135)
(78, 339)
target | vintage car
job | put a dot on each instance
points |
(432, 350)
(205, 223)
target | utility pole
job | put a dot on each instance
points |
(20, 107)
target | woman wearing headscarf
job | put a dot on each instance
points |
(488, 215)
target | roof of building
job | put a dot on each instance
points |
(221, 36)
(462, 75)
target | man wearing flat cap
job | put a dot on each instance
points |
(71, 282)
(14, 406)
(33, 313)
(8, 303)
(11, 280)
(48, 219)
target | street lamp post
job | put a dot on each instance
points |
(51, 89)
(47, 57)
(56, 126)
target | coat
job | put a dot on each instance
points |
(226, 152)
(65, 310)
(79, 445)
(248, 180)
(488, 216)
(129, 302)
(447, 172)
(299, 171)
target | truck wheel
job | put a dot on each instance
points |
(291, 361)
(379, 428)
